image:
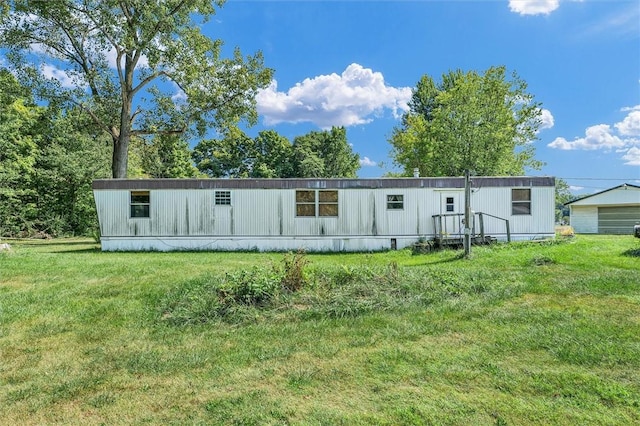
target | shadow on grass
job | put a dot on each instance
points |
(632, 252)
(456, 258)
(76, 251)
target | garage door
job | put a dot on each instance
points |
(618, 220)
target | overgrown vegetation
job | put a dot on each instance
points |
(526, 333)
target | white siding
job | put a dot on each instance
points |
(265, 219)
(584, 219)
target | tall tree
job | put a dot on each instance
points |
(71, 153)
(18, 152)
(484, 123)
(121, 61)
(167, 156)
(324, 154)
(270, 155)
(227, 156)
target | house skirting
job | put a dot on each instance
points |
(308, 243)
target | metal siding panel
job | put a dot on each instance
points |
(271, 212)
(113, 212)
(257, 211)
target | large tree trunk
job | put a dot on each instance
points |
(120, 158)
(119, 163)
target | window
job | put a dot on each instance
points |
(395, 202)
(328, 203)
(306, 203)
(312, 203)
(449, 205)
(223, 198)
(140, 202)
(520, 201)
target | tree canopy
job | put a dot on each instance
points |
(269, 155)
(136, 67)
(481, 122)
(48, 159)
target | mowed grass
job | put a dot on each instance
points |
(520, 334)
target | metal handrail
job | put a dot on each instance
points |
(438, 228)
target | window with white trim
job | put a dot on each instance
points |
(223, 198)
(450, 205)
(395, 202)
(140, 204)
(520, 201)
(315, 203)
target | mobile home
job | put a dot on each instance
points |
(315, 214)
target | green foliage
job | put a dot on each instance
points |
(236, 155)
(70, 158)
(270, 155)
(324, 154)
(482, 122)
(47, 162)
(294, 276)
(19, 135)
(167, 156)
(232, 296)
(563, 196)
(153, 42)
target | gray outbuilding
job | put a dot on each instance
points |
(316, 214)
(612, 211)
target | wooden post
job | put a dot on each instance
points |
(467, 213)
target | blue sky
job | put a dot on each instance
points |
(353, 63)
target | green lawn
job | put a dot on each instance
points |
(520, 334)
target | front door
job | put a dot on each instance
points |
(451, 211)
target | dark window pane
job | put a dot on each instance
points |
(140, 197)
(305, 210)
(139, 210)
(328, 210)
(305, 196)
(521, 208)
(223, 198)
(328, 196)
(520, 195)
(395, 202)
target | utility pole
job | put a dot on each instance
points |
(467, 213)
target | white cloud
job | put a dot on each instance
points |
(576, 188)
(533, 7)
(596, 137)
(51, 72)
(630, 126)
(632, 157)
(633, 108)
(367, 162)
(333, 100)
(179, 96)
(546, 119)
(112, 59)
(624, 137)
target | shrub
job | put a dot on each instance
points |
(294, 275)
